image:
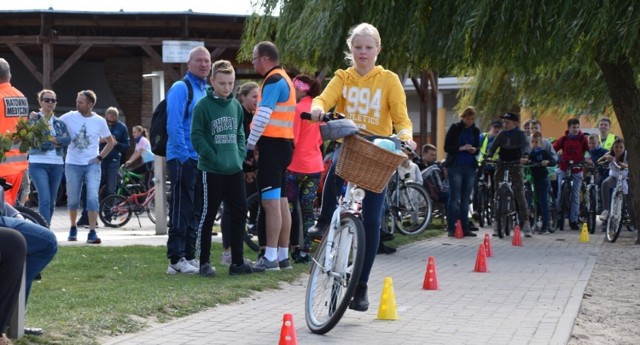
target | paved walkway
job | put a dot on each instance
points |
(531, 295)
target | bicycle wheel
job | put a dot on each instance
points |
(115, 211)
(330, 289)
(553, 214)
(614, 222)
(565, 204)
(31, 215)
(413, 209)
(482, 211)
(253, 203)
(151, 210)
(591, 211)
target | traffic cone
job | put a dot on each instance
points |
(288, 331)
(430, 277)
(487, 245)
(481, 260)
(458, 233)
(584, 235)
(517, 236)
(388, 309)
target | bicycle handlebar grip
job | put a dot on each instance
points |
(305, 115)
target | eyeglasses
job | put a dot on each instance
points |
(49, 100)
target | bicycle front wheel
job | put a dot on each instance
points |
(591, 211)
(115, 211)
(614, 222)
(333, 279)
(412, 208)
(482, 209)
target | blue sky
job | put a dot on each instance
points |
(207, 6)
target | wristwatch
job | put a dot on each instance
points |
(100, 158)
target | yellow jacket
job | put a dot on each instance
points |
(375, 102)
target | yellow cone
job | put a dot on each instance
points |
(388, 309)
(584, 235)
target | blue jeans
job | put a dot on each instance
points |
(46, 178)
(372, 207)
(109, 178)
(75, 175)
(186, 204)
(542, 194)
(461, 180)
(576, 179)
(42, 245)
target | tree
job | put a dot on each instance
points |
(550, 54)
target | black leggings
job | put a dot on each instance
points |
(13, 253)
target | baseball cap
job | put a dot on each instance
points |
(496, 123)
(511, 116)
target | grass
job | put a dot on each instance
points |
(92, 292)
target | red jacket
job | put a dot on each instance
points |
(573, 149)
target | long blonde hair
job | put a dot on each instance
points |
(362, 29)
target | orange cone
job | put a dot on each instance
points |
(458, 233)
(430, 277)
(517, 236)
(288, 331)
(481, 260)
(487, 245)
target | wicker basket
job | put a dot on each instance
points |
(366, 164)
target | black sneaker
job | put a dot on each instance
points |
(360, 302)
(574, 226)
(301, 257)
(207, 271)
(317, 231)
(83, 222)
(470, 234)
(245, 268)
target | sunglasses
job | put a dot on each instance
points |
(49, 100)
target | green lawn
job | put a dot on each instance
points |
(90, 292)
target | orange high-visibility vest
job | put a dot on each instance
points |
(13, 105)
(281, 121)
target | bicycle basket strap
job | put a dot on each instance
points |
(337, 129)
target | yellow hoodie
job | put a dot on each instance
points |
(375, 102)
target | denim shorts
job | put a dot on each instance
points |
(75, 175)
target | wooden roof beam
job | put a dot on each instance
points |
(26, 61)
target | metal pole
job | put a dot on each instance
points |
(157, 80)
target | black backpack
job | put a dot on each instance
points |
(158, 135)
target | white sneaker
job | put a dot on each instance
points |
(604, 215)
(226, 259)
(194, 262)
(182, 266)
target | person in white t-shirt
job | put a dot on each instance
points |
(143, 151)
(86, 129)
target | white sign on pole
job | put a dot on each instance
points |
(178, 51)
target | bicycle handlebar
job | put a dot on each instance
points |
(325, 117)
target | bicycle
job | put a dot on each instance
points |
(506, 212)
(408, 206)
(564, 204)
(339, 258)
(592, 201)
(19, 211)
(483, 195)
(618, 214)
(116, 210)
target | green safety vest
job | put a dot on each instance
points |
(483, 149)
(608, 144)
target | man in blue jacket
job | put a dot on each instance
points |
(182, 163)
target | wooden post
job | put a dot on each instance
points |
(442, 126)
(157, 80)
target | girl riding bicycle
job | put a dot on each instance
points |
(375, 100)
(618, 166)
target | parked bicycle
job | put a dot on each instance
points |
(591, 202)
(483, 198)
(18, 211)
(339, 258)
(534, 203)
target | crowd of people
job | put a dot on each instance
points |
(224, 145)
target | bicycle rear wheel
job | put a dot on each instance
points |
(31, 215)
(565, 204)
(614, 222)
(413, 209)
(591, 211)
(330, 289)
(151, 210)
(482, 210)
(115, 211)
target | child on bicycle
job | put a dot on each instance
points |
(596, 151)
(618, 168)
(514, 147)
(217, 135)
(540, 176)
(573, 145)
